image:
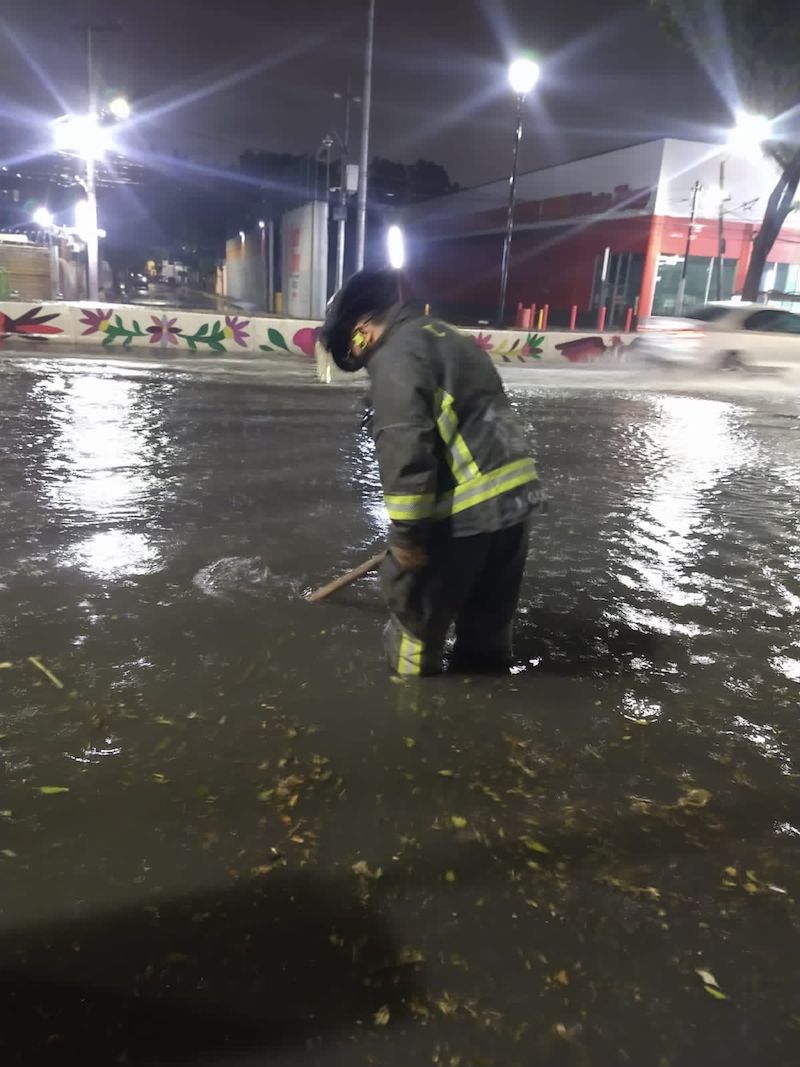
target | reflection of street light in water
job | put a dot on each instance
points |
(99, 473)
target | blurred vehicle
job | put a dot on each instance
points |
(724, 336)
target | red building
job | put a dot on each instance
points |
(606, 230)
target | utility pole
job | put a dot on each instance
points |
(366, 108)
(721, 221)
(512, 189)
(341, 225)
(696, 189)
(92, 243)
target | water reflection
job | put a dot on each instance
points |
(115, 553)
(689, 448)
(365, 474)
(100, 470)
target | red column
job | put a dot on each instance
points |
(744, 257)
(650, 271)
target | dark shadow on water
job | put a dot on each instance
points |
(278, 961)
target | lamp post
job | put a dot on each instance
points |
(341, 208)
(522, 76)
(749, 132)
(366, 108)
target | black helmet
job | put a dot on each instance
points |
(369, 292)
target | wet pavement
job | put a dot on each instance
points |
(227, 836)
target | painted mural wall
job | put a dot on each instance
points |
(166, 333)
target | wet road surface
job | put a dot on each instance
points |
(227, 836)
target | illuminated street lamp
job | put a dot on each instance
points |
(396, 247)
(43, 218)
(81, 135)
(523, 75)
(747, 135)
(88, 138)
(120, 109)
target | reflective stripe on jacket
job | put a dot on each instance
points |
(450, 449)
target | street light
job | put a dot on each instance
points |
(523, 74)
(81, 135)
(396, 247)
(747, 135)
(120, 109)
(43, 218)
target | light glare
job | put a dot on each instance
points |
(81, 135)
(43, 217)
(749, 132)
(120, 108)
(523, 74)
(396, 247)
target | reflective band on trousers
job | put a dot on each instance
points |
(459, 457)
(466, 495)
(409, 661)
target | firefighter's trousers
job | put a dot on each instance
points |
(473, 582)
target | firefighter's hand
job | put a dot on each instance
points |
(413, 558)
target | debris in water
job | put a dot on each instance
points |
(45, 671)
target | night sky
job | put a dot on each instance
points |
(208, 78)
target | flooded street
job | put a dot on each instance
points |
(228, 836)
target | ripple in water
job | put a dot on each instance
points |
(234, 574)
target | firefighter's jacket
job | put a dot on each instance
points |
(452, 455)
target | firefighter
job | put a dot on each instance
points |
(459, 484)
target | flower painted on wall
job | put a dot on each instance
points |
(483, 341)
(96, 321)
(533, 346)
(30, 324)
(236, 330)
(163, 331)
(306, 339)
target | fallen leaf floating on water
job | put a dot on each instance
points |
(717, 994)
(51, 790)
(458, 821)
(382, 1016)
(9, 853)
(710, 983)
(5, 666)
(695, 798)
(534, 845)
(37, 663)
(450, 876)
(446, 774)
(362, 869)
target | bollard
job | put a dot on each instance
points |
(545, 314)
(601, 319)
(427, 311)
(540, 320)
(628, 320)
(573, 316)
(520, 313)
(527, 318)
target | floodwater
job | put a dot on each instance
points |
(228, 837)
